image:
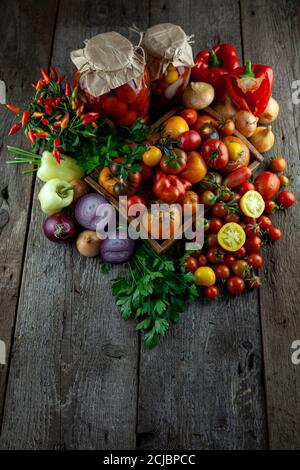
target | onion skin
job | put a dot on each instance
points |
(116, 250)
(88, 244)
(270, 113)
(262, 139)
(245, 122)
(198, 95)
(226, 108)
(59, 228)
(93, 211)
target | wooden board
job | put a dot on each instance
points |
(18, 68)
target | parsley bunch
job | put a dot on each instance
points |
(153, 293)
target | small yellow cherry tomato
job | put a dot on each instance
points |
(205, 276)
(175, 126)
(234, 150)
(171, 76)
(152, 156)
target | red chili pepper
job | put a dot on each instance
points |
(44, 121)
(48, 109)
(56, 142)
(61, 78)
(25, 118)
(31, 137)
(212, 66)
(56, 155)
(58, 116)
(14, 128)
(14, 109)
(65, 121)
(58, 101)
(53, 73)
(250, 87)
(46, 77)
(68, 91)
(36, 114)
(89, 117)
(80, 110)
(57, 124)
(41, 135)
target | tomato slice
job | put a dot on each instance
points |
(252, 204)
(231, 236)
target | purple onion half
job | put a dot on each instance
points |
(93, 211)
(117, 250)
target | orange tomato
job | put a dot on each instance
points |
(203, 120)
(160, 223)
(195, 169)
(238, 152)
(191, 198)
(175, 126)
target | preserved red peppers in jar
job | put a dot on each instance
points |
(169, 58)
(113, 78)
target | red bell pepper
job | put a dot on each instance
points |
(250, 87)
(168, 188)
(212, 66)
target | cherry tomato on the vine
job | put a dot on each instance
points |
(189, 115)
(284, 181)
(229, 260)
(215, 255)
(212, 240)
(270, 207)
(274, 234)
(207, 198)
(255, 261)
(219, 209)
(235, 285)
(215, 224)
(202, 260)
(253, 244)
(278, 164)
(264, 222)
(254, 282)
(191, 264)
(241, 253)
(246, 186)
(285, 199)
(211, 292)
(222, 271)
(252, 229)
(226, 127)
(231, 218)
(240, 268)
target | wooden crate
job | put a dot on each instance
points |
(161, 246)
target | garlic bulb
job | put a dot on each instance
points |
(198, 95)
(262, 138)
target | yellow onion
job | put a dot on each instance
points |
(88, 243)
(245, 122)
(198, 95)
(226, 108)
(270, 113)
(262, 138)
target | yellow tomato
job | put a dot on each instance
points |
(234, 150)
(205, 276)
(171, 76)
(252, 204)
(153, 156)
(175, 126)
(231, 236)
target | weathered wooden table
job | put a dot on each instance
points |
(77, 376)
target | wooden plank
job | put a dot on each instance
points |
(201, 388)
(27, 27)
(271, 35)
(73, 381)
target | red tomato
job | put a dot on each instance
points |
(285, 199)
(190, 140)
(222, 271)
(229, 260)
(240, 268)
(191, 264)
(219, 209)
(211, 292)
(267, 184)
(270, 207)
(274, 234)
(126, 93)
(189, 115)
(264, 222)
(215, 225)
(231, 218)
(246, 186)
(254, 282)
(235, 285)
(241, 253)
(215, 255)
(113, 107)
(147, 172)
(252, 229)
(138, 200)
(207, 198)
(215, 153)
(203, 120)
(253, 244)
(202, 261)
(255, 261)
(278, 164)
(126, 119)
(226, 127)
(212, 240)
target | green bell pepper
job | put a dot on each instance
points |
(55, 195)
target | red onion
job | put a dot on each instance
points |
(117, 250)
(93, 211)
(59, 228)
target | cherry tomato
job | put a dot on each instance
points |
(126, 119)
(237, 197)
(211, 292)
(241, 253)
(191, 198)
(190, 140)
(235, 285)
(285, 199)
(113, 107)
(254, 282)
(264, 222)
(215, 255)
(202, 260)
(267, 184)
(270, 207)
(252, 229)
(231, 218)
(242, 225)
(253, 244)
(203, 120)
(212, 240)
(207, 198)
(244, 187)
(226, 127)
(215, 225)
(240, 268)
(208, 132)
(147, 172)
(274, 234)
(222, 271)
(284, 181)
(219, 209)
(189, 115)
(191, 264)
(138, 200)
(152, 156)
(215, 153)
(229, 260)
(255, 261)
(278, 164)
(205, 276)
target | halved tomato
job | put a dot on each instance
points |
(238, 152)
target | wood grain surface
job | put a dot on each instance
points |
(77, 375)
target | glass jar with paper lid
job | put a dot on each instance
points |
(170, 59)
(113, 78)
